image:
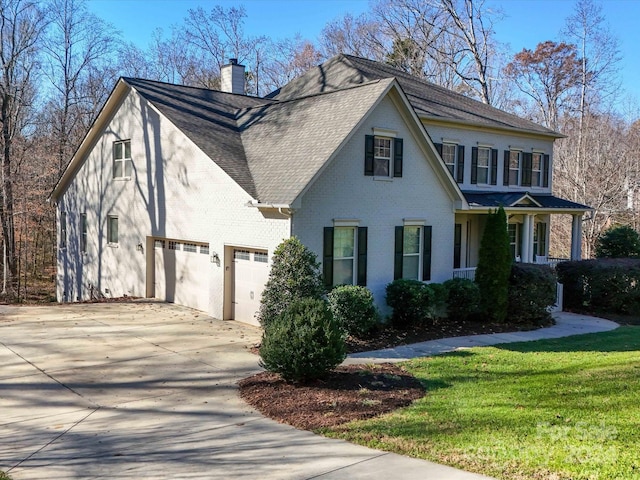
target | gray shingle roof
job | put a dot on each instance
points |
(508, 199)
(272, 149)
(430, 101)
(209, 119)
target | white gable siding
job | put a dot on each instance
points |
(344, 192)
(471, 138)
(175, 192)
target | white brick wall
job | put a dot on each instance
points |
(175, 192)
(343, 192)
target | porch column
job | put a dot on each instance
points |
(526, 247)
(576, 237)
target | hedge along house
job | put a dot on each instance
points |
(182, 193)
(495, 158)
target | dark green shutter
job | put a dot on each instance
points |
(460, 166)
(426, 254)
(397, 259)
(368, 155)
(545, 171)
(494, 166)
(362, 256)
(542, 239)
(327, 258)
(397, 157)
(438, 148)
(474, 165)
(457, 245)
(505, 167)
(527, 165)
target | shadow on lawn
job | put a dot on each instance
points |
(623, 339)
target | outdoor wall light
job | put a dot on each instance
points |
(139, 247)
(215, 258)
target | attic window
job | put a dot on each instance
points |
(383, 156)
(122, 164)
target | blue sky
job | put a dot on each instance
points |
(525, 22)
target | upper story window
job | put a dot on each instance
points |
(449, 157)
(537, 161)
(515, 163)
(452, 155)
(122, 164)
(383, 156)
(484, 154)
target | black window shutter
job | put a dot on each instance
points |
(362, 256)
(439, 148)
(327, 258)
(397, 157)
(460, 166)
(368, 155)
(457, 245)
(474, 165)
(494, 166)
(426, 254)
(542, 239)
(397, 259)
(545, 171)
(527, 165)
(505, 167)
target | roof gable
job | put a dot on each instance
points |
(431, 101)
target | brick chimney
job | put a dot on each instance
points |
(232, 77)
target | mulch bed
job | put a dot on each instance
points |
(349, 393)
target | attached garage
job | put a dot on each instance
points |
(180, 273)
(250, 272)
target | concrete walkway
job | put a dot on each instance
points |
(567, 324)
(147, 390)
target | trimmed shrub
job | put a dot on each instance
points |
(294, 274)
(304, 342)
(352, 307)
(610, 285)
(494, 267)
(463, 298)
(532, 290)
(620, 241)
(413, 301)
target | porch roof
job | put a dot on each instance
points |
(522, 200)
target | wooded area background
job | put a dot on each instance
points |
(60, 62)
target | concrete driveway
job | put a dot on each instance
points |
(148, 390)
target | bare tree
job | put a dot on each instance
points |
(288, 59)
(22, 24)
(360, 36)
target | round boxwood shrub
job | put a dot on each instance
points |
(532, 290)
(411, 300)
(352, 307)
(463, 299)
(294, 274)
(304, 342)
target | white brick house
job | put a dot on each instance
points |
(182, 193)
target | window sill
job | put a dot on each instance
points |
(383, 179)
(121, 179)
(112, 245)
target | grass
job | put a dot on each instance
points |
(561, 409)
(4, 476)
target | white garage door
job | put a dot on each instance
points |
(182, 272)
(250, 274)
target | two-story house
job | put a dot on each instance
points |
(182, 194)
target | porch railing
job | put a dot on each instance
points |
(468, 273)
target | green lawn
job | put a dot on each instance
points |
(561, 409)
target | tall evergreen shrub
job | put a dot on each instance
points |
(620, 241)
(295, 274)
(494, 267)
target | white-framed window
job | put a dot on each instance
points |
(261, 257)
(537, 160)
(83, 232)
(190, 247)
(540, 239)
(173, 245)
(344, 256)
(449, 152)
(484, 161)
(122, 164)
(112, 229)
(515, 165)
(411, 252)
(514, 239)
(381, 156)
(63, 229)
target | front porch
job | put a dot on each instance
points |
(529, 223)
